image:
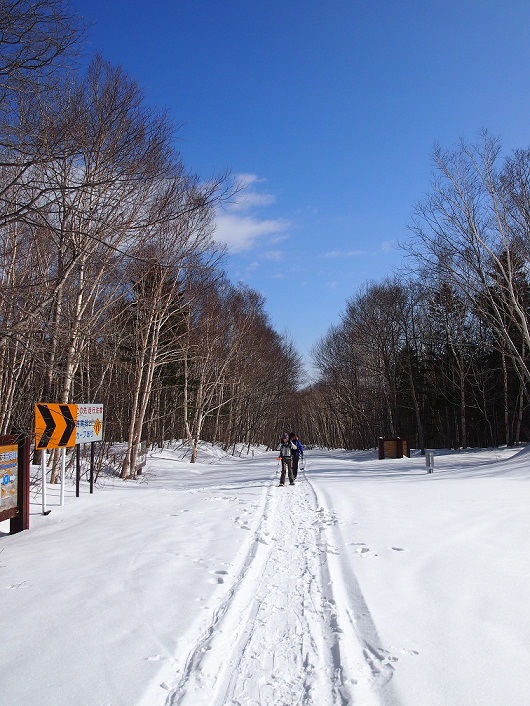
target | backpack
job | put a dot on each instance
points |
(286, 449)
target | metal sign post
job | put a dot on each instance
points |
(429, 461)
(77, 471)
(92, 453)
(62, 426)
(54, 429)
(43, 468)
(63, 473)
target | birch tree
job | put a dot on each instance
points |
(103, 200)
(217, 334)
(38, 39)
(176, 248)
(468, 229)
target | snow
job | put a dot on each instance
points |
(369, 582)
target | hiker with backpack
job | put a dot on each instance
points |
(286, 449)
(296, 454)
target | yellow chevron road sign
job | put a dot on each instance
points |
(55, 425)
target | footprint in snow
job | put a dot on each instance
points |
(386, 656)
(219, 575)
(242, 522)
(365, 552)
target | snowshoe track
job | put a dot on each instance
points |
(279, 619)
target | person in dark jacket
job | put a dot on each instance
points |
(296, 454)
(286, 449)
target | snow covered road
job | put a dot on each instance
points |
(279, 638)
(368, 583)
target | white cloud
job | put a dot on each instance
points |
(273, 255)
(280, 238)
(342, 253)
(245, 180)
(388, 245)
(242, 232)
(247, 198)
(236, 224)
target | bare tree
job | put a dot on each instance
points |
(219, 323)
(161, 299)
(465, 231)
(34, 36)
(38, 39)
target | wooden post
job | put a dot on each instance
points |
(21, 521)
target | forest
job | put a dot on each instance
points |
(113, 291)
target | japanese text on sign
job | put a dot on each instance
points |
(8, 476)
(89, 423)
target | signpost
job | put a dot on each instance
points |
(89, 424)
(89, 428)
(62, 426)
(14, 482)
(8, 476)
(429, 461)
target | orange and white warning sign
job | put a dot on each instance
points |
(89, 425)
(55, 425)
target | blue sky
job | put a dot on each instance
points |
(329, 111)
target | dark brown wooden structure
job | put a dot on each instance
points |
(14, 479)
(396, 447)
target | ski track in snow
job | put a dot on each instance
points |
(280, 637)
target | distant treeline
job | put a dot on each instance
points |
(440, 354)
